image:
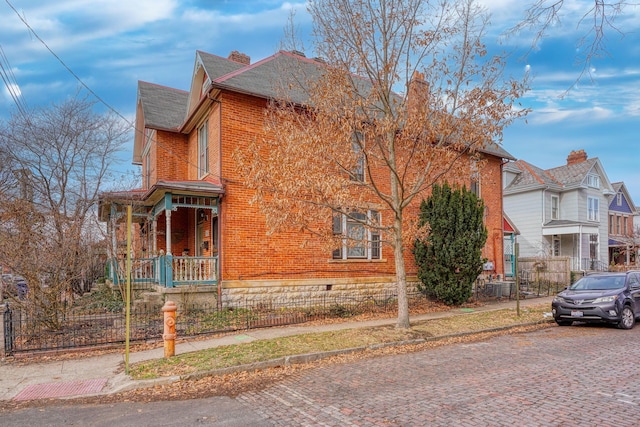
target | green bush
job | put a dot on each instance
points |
(449, 259)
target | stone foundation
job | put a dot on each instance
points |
(280, 292)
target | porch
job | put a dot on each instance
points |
(166, 271)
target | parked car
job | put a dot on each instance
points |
(600, 297)
(14, 286)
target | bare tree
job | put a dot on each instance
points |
(406, 94)
(59, 157)
(597, 16)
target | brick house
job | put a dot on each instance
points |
(194, 222)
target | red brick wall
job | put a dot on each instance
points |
(247, 251)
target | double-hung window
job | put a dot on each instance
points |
(357, 236)
(203, 150)
(357, 173)
(555, 207)
(593, 213)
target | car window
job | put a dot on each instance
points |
(599, 283)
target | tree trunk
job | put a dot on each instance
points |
(401, 277)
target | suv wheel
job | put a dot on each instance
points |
(628, 319)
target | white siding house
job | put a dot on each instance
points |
(560, 211)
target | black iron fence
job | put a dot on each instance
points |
(25, 331)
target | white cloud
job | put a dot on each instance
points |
(554, 115)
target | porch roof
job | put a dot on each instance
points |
(569, 227)
(149, 198)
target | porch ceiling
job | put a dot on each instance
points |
(569, 227)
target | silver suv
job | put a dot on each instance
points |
(600, 297)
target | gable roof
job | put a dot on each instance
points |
(561, 178)
(170, 109)
(620, 187)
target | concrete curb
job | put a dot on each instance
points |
(298, 359)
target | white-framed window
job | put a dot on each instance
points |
(358, 241)
(555, 207)
(357, 173)
(593, 180)
(619, 199)
(147, 169)
(474, 186)
(203, 150)
(593, 246)
(593, 213)
(611, 224)
(555, 245)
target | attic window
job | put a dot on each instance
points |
(619, 199)
(593, 181)
(205, 84)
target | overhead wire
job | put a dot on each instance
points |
(9, 79)
(99, 98)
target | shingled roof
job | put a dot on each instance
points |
(163, 107)
(560, 178)
(166, 108)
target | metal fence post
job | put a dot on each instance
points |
(6, 331)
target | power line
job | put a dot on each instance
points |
(9, 79)
(102, 101)
(66, 67)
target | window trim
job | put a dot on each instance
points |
(370, 244)
(555, 207)
(203, 149)
(357, 144)
(593, 180)
(593, 208)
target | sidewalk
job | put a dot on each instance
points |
(104, 374)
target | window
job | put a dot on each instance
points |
(625, 230)
(593, 246)
(555, 207)
(592, 209)
(555, 245)
(619, 199)
(357, 174)
(611, 224)
(474, 187)
(147, 170)
(593, 181)
(358, 240)
(618, 225)
(203, 150)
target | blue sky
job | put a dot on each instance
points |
(111, 44)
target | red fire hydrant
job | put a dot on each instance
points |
(169, 336)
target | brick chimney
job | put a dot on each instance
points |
(576, 156)
(240, 57)
(418, 93)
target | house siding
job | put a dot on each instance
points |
(525, 210)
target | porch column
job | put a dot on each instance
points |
(154, 236)
(167, 214)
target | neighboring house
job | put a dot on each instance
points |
(195, 220)
(623, 242)
(560, 211)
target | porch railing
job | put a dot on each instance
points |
(166, 270)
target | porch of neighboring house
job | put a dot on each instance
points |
(174, 235)
(578, 241)
(624, 253)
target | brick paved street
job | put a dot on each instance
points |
(554, 377)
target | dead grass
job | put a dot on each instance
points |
(262, 350)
